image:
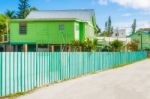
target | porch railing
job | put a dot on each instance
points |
(5, 38)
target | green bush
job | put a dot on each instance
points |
(116, 46)
(87, 45)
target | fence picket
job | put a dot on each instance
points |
(22, 71)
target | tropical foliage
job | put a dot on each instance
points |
(24, 8)
(108, 28)
(116, 45)
(133, 26)
(33, 9)
(3, 24)
(133, 45)
(10, 14)
(105, 34)
(87, 45)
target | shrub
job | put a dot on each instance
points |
(132, 46)
(87, 45)
(116, 45)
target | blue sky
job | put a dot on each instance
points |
(122, 11)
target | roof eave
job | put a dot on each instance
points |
(28, 20)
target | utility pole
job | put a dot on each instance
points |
(140, 33)
(141, 40)
(117, 33)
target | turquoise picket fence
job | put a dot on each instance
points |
(21, 71)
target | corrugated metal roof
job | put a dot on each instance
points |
(145, 29)
(83, 14)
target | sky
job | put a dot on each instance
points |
(122, 12)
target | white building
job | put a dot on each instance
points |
(110, 39)
(120, 33)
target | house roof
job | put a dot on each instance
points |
(146, 29)
(18, 20)
(82, 14)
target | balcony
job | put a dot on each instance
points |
(4, 38)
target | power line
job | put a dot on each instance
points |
(131, 27)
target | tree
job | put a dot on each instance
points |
(10, 14)
(33, 9)
(3, 25)
(98, 29)
(24, 8)
(109, 25)
(116, 45)
(76, 45)
(95, 43)
(134, 26)
(112, 30)
(105, 34)
(106, 26)
(133, 45)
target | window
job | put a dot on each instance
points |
(116, 34)
(23, 28)
(43, 46)
(147, 31)
(61, 27)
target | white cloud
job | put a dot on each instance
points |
(127, 25)
(147, 13)
(140, 24)
(103, 2)
(136, 4)
(126, 14)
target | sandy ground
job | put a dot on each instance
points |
(130, 82)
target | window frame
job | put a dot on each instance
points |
(23, 28)
(61, 27)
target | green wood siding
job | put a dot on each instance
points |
(82, 31)
(145, 40)
(43, 32)
(47, 31)
(89, 31)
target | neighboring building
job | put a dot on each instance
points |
(120, 33)
(143, 38)
(110, 39)
(50, 30)
(103, 42)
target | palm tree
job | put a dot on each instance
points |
(33, 9)
(3, 25)
(10, 14)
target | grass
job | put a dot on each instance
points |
(13, 96)
(114, 67)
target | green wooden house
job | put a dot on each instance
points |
(143, 38)
(50, 30)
